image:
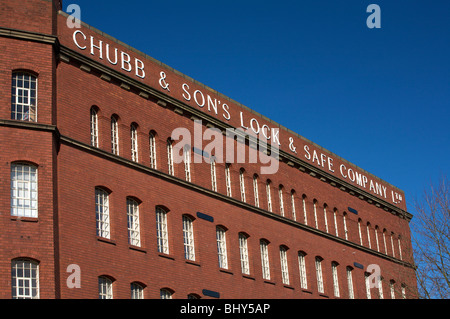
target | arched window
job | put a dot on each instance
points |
(24, 97)
(351, 291)
(115, 135)
(187, 162)
(344, 220)
(228, 179)
(24, 279)
(319, 275)
(269, 195)
(94, 126)
(170, 156)
(102, 212)
(134, 143)
(213, 174)
(162, 234)
(284, 265)
(302, 269)
(265, 265)
(152, 148)
(359, 232)
(256, 190)
(137, 290)
(188, 236)
(166, 293)
(24, 190)
(315, 213)
(368, 235)
(134, 237)
(325, 216)
(334, 270)
(305, 216)
(376, 237)
(105, 287)
(336, 230)
(222, 247)
(242, 184)
(280, 197)
(243, 250)
(294, 215)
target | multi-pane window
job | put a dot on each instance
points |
(302, 269)
(325, 216)
(152, 150)
(165, 294)
(359, 232)
(222, 247)
(24, 279)
(137, 291)
(105, 288)
(134, 237)
(367, 282)
(392, 288)
(315, 213)
(403, 291)
(24, 97)
(228, 179)
(269, 196)
(94, 127)
(384, 241)
(213, 175)
(114, 135)
(294, 217)
(242, 184)
(319, 274)
(284, 265)
(380, 287)
(134, 143)
(102, 213)
(188, 236)
(170, 157)
(376, 238)
(255, 190)
(334, 266)
(280, 196)
(243, 250)
(368, 235)
(344, 220)
(351, 293)
(24, 190)
(335, 222)
(399, 248)
(392, 244)
(162, 234)
(264, 248)
(187, 162)
(305, 216)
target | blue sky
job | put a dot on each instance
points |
(379, 98)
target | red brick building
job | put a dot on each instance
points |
(99, 197)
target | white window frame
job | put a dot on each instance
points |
(305, 215)
(325, 217)
(222, 247)
(29, 101)
(280, 196)
(315, 214)
(392, 289)
(105, 288)
(256, 190)
(318, 262)
(228, 179)
(351, 291)
(269, 196)
(344, 219)
(94, 127)
(24, 190)
(284, 265)
(188, 238)
(335, 223)
(102, 213)
(334, 270)
(134, 143)
(213, 175)
(25, 279)
(170, 158)
(302, 270)
(134, 236)
(368, 235)
(152, 150)
(165, 294)
(187, 162)
(114, 136)
(162, 234)
(243, 251)
(265, 262)
(137, 291)
(242, 184)
(294, 215)
(367, 283)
